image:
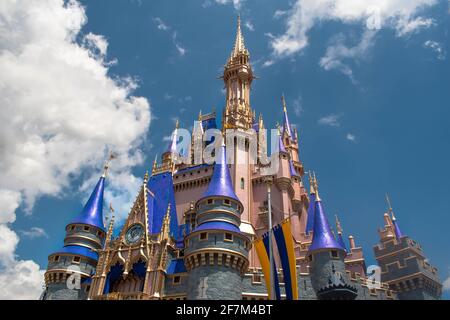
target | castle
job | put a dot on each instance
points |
(190, 230)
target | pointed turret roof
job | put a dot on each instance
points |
(340, 239)
(398, 232)
(92, 213)
(322, 237)
(220, 184)
(286, 124)
(239, 46)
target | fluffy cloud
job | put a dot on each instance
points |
(61, 113)
(338, 52)
(401, 15)
(34, 232)
(331, 120)
(236, 3)
(351, 137)
(437, 48)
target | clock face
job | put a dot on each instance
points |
(134, 233)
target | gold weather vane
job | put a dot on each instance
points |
(111, 157)
(391, 211)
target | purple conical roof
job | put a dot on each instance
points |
(322, 237)
(92, 213)
(220, 184)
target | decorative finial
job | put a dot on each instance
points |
(146, 177)
(316, 187)
(390, 207)
(200, 116)
(284, 102)
(177, 124)
(312, 190)
(155, 162)
(111, 157)
(338, 225)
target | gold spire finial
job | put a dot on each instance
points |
(316, 187)
(146, 177)
(390, 210)
(111, 157)
(239, 44)
(284, 102)
(338, 225)
(312, 190)
(200, 116)
(177, 124)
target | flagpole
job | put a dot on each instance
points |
(269, 205)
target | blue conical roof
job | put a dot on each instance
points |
(92, 213)
(341, 241)
(220, 184)
(322, 237)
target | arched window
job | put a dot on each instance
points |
(242, 183)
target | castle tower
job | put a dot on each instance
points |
(216, 252)
(403, 263)
(238, 77)
(69, 270)
(326, 260)
(238, 116)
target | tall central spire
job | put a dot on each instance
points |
(239, 46)
(238, 77)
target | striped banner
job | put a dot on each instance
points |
(285, 244)
(262, 250)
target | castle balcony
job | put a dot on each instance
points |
(263, 214)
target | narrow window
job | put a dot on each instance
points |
(242, 183)
(56, 259)
(76, 259)
(176, 279)
(227, 202)
(203, 236)
(210, 201)
(228, 237)
(334, 254)
(86, 228)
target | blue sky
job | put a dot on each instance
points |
(371, 107)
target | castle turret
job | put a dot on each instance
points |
(326, 260)
(404, 266)
(216, 252)
(70, 269)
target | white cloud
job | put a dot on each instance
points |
(164, 27)
(351, 137)
(437, 48)
(402, 16)
(337, 52)
(160, 24)
(249, 26)
(237, 4)
(331, 120)
(298, 106)
(61, 113)
(34, 232)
